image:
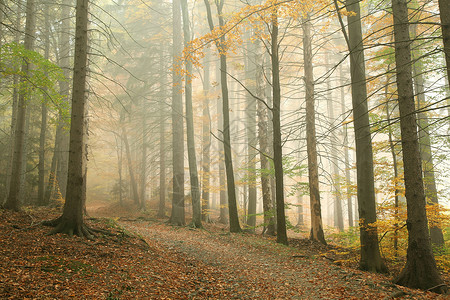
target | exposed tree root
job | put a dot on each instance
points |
(193, 226)
(69, 228)
(52, 223)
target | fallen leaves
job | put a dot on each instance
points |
(151, 260)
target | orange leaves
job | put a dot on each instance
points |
(250, 18)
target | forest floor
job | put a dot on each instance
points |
(145, 258)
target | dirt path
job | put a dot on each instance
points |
(166, 262)
(251, 267)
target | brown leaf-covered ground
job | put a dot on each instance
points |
(148, 259)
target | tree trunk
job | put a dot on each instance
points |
(437, 237)
(370, 252)
(13, 201)
(277, 143)
(71, 222)
(338, 217)
(223, 218)
(63, 144)
(193, 174)
(133, 182)
(250, 112)
(420, 270)
(206, 141)
(15, 98)
(394, 162)
(313, 167)
(346, 152)
(231, 189)
(178, 215)
(269, 222)
(143, 176)
(42, 135)
(119, 151)
(162, 139)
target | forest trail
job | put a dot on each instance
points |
(247, 266)
(143, 258)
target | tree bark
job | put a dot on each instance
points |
(143, 194)
(346, 152)
(277, 143)
(162, 139)
(420, 270)
(269, 222)
(43, 131)
(193, 174)
(313, 168)
(223, 217)
(14, 108)
(250, 112)
(64, 53)
(437, 237)
(231, 189)
(178, 214)
(394, 162)
(13, 200)
(338, 217)
(71, 222)
(370, 252)
(133, 183)
(206, 141)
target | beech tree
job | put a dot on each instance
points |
(277, 143)
(370, 253)
(420, 270)
(313, 167)
(178, 215)
(221, 48)
(195, 190)
(13, 200)
(71, 221)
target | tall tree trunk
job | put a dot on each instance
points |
(143, 186)
(370, 252)
(178, 214)
(338, 217)
(437, 237)
(23, 173)
(250, 111)
(162, 138)
(277, 143)
(71, 222)
(119, 150)
(51, 185)
(346, 152)
(231, 189)
(133, 182)
(313, 167)
(394, 162)
(13, 200)
(223, 218)
(420, 270)
(63, 144)
(193, 174)
(42, 135)
(15, 97)
(269, 222)
(206, 141)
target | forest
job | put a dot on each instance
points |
(221, 149)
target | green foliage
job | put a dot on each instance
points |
(348, 238)
(41, 78)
